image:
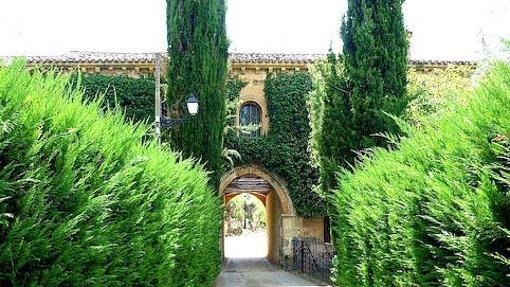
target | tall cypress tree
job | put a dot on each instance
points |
(375, 57)
(334, 131)
(360, 86)
(198, 51)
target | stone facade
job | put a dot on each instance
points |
(143, 64)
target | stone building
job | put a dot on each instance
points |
(283, 222)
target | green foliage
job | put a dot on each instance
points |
(234, 85)
(83, 202)
(284, 150)
(375, 58)
(431, 92)
(436, 212)
(244, 209)
(233, 89)
(134, 96)
(333, 140)
(354, 93)
(198, 51)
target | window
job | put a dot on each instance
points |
(249, 120)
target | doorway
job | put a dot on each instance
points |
(245, 227)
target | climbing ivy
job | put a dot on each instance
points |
(233, 89)
(284, 150)
(135, 96)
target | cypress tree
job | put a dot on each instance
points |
(198, 51)
(356, 89)
(375, 57)
(332, 114)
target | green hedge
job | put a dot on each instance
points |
(284, 150)
(437, 211)
(83, 202)
(135, 96)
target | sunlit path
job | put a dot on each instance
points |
(246, 265)
(248, 245)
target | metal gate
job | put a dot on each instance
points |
(313, 257)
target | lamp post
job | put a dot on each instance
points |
(160, 120)
(192, 106)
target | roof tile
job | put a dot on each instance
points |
(75, 57)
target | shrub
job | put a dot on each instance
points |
(375, 59)
(432, 91)
(135, 96)
(333, 139)
(89, 204)
(234, 85)
(355, 92)
(437, 211)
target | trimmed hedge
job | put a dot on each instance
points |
(284, 150)
(135, 96)
(85, 203)
(437, 211)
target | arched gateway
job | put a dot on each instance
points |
(281, 217)
(241, 179)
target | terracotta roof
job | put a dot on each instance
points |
(94, 57)
(126, 58)
(440, 62)
(274, 58)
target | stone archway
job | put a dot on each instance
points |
(275, 197)
(277, 184)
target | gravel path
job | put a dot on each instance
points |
(245, 265)
(254, 272)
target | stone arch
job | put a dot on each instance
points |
(277, 184)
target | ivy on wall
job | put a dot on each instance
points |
(234, 85)
(135, 96)
(284, 150)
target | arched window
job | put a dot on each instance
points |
(249, 120)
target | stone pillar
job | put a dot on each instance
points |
(290, 226)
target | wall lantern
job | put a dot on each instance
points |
(191, 105)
